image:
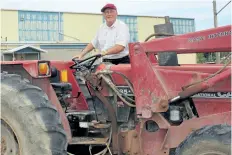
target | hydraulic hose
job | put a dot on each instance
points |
(126, 79)
(216, 73)
(122, 75)
(116, 90)
(123, 94)
(158, 34)
(120, 94)
(202, 85)
(103, 152)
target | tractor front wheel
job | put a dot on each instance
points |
(30, 124)
(9, 143)
(210, 140)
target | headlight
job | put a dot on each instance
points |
(43, 68)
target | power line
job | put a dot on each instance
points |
(223, 8)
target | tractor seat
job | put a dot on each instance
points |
(62, 86)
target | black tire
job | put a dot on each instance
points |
(210, 140)
(34, 120)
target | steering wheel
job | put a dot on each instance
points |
(85, 63)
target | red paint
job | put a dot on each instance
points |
(181, 44)
(152, 58)
(153, 83)
(43, 82)
(125, 69)
(31, 66)
(179, 133)
(172, 79)
(179, 76)
(207, 107)
(79, 103)
(154, 143)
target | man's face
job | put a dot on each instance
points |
(110, 15)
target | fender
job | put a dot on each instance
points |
(43, 83)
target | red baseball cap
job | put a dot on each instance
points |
(111, 6)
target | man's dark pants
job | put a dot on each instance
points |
(123, 60)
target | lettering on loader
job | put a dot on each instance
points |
(210, 36)
(219, 34)
(219, 95)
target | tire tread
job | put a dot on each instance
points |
(54, 128)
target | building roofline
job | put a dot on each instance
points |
(91, 13)
(40, 43)
(182, 18)
(23, 47)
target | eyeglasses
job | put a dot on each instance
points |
(109, 11)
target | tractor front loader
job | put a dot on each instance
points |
(153, 106)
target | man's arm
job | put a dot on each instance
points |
(121, 41)
(87, 49)
(114, 50)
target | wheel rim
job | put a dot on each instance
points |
(213, 153)
(9, 142)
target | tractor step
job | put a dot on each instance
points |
(95, 124)
(88, 141)
(80, 113)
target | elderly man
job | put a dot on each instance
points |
(111, 39)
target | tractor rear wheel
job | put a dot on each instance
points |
(210, 140)
(30, 125)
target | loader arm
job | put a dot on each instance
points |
(150, 82)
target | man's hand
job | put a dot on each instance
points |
(78, 56)
(103, 53)
(88, 48)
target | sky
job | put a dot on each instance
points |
(200, 10)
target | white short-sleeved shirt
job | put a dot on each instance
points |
(108, 37)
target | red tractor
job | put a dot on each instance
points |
(153, 106)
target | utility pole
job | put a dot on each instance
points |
(216, 25)
(215, 13)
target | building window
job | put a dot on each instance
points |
(131, 22)
(182, 26)
(40, 26)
